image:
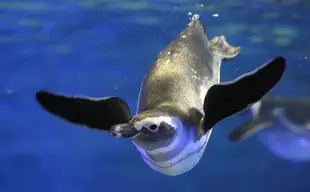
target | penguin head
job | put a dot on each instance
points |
(160, 137)
(148, 125)
(167, 142)
(290, 124)
(298, 123)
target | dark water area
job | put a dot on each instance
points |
(103, 48)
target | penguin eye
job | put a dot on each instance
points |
(153, 127)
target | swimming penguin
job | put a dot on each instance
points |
(283, 125)
(180, 101)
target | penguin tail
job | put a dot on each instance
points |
(220, 46)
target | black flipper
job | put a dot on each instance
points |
(249, 128)
(226, 99)
(93, 113)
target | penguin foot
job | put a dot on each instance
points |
(219, 45)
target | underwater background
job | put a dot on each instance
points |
(103, 48)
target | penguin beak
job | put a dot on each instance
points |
(125, 130)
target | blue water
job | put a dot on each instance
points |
(104, 47)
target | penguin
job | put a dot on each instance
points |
(282, 125)
(181, 99)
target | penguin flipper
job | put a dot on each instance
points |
(93, 113)
(249, 128)
(226, 99)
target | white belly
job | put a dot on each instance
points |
(285, 144)
(184, 161)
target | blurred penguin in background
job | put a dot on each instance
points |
(289, 2)
(283, 125)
